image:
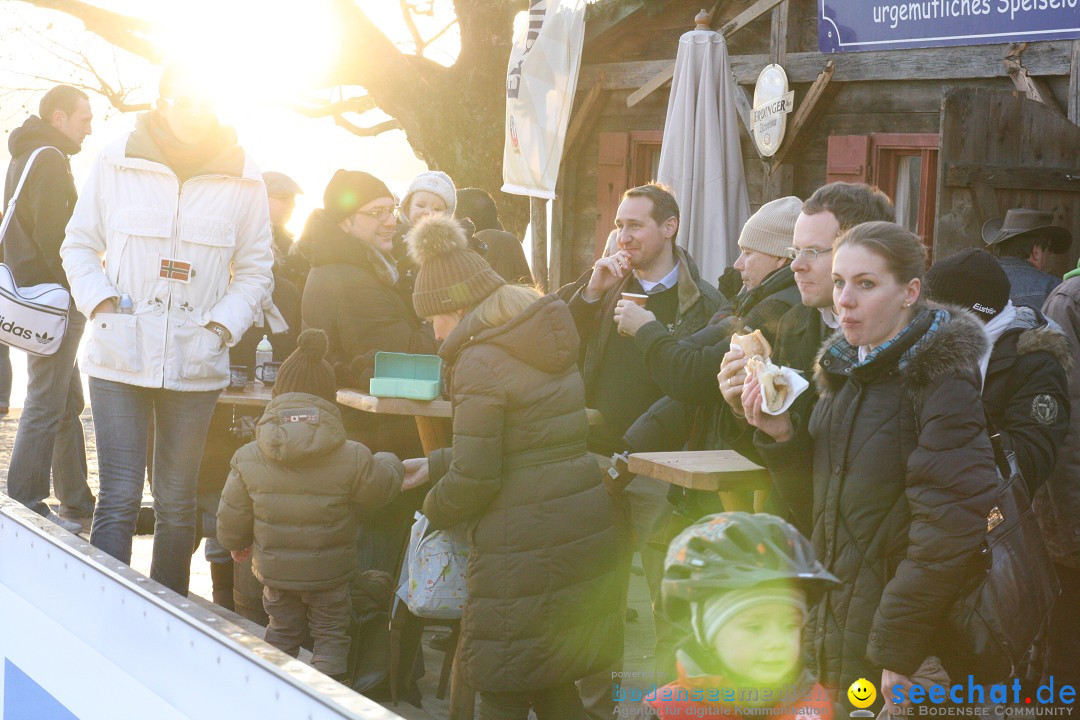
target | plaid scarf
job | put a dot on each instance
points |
(848, 354)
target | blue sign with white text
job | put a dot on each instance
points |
(854, 25)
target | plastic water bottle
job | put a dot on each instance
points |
(126, 306)
(264, 353)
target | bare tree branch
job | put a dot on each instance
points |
(82, 66)
(381, 59)
(406, 13)
(409, 8)
(422, 7)
(124, 31)
(442, 32)
(359, 105)
(367, 131)
(116, 98)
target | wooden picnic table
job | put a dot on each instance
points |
(722, 471)
(257, 394)
(432, 416)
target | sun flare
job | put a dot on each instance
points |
(248, 53)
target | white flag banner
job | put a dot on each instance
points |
(540, 84)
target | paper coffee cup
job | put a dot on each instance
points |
(636, 298)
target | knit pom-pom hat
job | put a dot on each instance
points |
(451, 276)
(307, 370)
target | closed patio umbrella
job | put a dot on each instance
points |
(701, 159)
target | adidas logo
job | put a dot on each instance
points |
(16, 330)
(43, 338)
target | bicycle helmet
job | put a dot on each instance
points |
(734, 550)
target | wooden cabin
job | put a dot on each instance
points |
(955, 135)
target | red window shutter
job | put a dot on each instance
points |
(848, 159)
(610, 182)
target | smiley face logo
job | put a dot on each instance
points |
(862, 693)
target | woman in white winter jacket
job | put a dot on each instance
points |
(173, 217)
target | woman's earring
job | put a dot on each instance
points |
(907, 305)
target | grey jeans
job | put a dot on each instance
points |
(50, 434)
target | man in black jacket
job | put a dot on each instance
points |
(50, 434)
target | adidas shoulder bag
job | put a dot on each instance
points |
(32, 319)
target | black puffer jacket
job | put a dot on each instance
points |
(353, 295)
(32, 245)
(544, 577)
(1026, 393)
(903, 478)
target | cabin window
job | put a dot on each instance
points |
(903, 165)
(908, 195)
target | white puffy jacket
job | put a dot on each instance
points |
(135, 213)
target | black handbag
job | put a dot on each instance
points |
(991, 627)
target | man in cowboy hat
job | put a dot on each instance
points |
(1022, 240)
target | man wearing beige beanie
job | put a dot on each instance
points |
(765, 240)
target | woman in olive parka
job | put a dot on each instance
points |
(543, 580)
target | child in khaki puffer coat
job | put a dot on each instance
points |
(293, 495)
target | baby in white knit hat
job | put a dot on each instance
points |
(430, 194)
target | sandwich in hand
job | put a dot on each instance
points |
(774, 386)
(752, 344)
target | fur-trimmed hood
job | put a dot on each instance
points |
(1037, 335)
(940, 341)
